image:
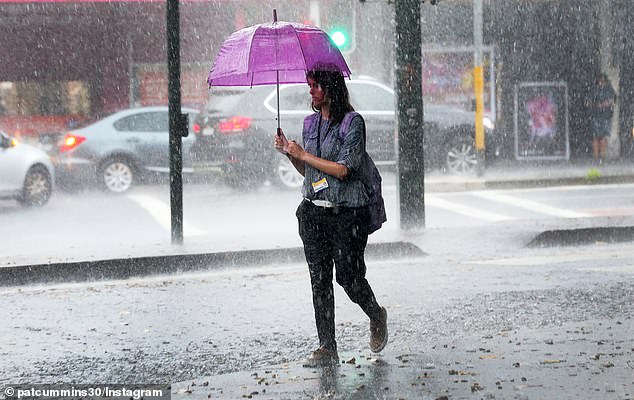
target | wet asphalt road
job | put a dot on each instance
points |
(526, 323)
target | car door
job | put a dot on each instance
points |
(10, 167)
(147, 136)
(376, 103)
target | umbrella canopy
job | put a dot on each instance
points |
(274, 53)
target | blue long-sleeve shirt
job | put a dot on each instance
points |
(347, 149)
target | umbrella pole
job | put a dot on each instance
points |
(278, 101)
(279, 129)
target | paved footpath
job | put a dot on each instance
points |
(573, 361)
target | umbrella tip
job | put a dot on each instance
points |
(274, 15)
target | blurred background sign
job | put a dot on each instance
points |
(541, 121)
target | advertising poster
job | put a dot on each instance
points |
(541, 121)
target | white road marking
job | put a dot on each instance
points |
(554, 258)
(530, 205)
(623, 269)
(465, 210)
(577, 188)
(540, 260)
(161, 213)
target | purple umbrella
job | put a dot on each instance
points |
(274, 53)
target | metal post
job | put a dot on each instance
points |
(409, 91)
(177, 121)
(478, 85)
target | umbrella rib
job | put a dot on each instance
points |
(301, 48)
(251, 40)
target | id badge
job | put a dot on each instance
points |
(320, 185)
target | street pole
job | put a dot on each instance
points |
(177, 121)
(409, 94)
(478, 85)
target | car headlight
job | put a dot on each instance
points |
(488, 123)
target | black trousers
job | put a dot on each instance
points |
(335, 236)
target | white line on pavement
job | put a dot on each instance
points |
(530, 205)
(557, 258)
(623, 269)
(161, 213)
(465, 210)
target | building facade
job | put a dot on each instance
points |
(66, 61)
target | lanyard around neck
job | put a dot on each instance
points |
(319, 135)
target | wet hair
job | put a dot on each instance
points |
(335, 89)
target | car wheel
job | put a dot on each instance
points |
(38, 187)
(117, 175)
(287, 175)
(461, 156)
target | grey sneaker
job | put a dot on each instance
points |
(378, 332)
(322, 357)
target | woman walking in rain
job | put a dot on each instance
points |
(333, 217)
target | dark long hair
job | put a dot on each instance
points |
(334, 87)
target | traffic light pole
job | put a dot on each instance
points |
(409, 91)
(177, 121)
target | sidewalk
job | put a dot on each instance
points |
(517, 364)
(518, 174)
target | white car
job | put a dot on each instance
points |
(26, 173)
(116, 151)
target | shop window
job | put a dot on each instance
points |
(44, 98)
(150, 85)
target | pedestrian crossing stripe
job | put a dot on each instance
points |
(469, 211)
(530, 205)
(162, 214)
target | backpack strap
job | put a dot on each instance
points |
(345, 124)
(309, 121)
(370, 176)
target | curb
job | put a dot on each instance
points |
(123, 268)
(583, 236)
(522, 183)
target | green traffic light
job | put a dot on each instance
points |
(339, 38)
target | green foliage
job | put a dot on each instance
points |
(593, 175)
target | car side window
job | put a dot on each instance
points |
(293, 98)
(145, 122)
(368, 97)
